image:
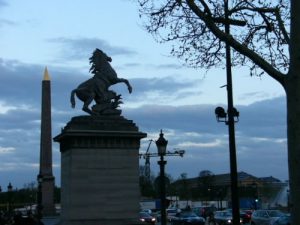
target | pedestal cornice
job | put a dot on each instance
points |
(99, 132)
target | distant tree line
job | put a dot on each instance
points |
(23, 197)
(201, 188)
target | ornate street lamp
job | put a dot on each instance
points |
(39, 198)
(9, 187)
(161, 144)
(288, 200)
(255, 188)
(9, 192)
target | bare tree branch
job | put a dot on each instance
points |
(237, 45)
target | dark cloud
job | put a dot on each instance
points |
(260, 133)
(257, 95)
(169, 66)
(3, 3)
(179, 118)
(4, 22)
(81, 48)
(19, 81)
(271, 113)
(261, 149)
(168, 84)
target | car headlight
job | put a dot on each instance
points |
(229, 221)
(142, 219)
(153, 219)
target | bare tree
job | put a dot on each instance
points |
(268, 43)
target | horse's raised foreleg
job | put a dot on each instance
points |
(73, 98)
(126, 82)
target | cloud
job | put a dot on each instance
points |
(81, 48)
(5, 150)
(3, 3)
(4, 22)
(271, 113)
(257, 95)
(260, 133)
(168, 66)
(261, 149)
(190, 144)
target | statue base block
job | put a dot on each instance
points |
(99, 171)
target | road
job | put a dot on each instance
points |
(55, 220)
(50, 220)
(205, 223)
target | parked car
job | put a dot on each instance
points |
(265, 216)
(224, 217)
(147, 218)
(187, 218)
(246, 215)
(149, 211)
(283, 220)
(171, 212)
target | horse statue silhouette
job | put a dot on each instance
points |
(97, 87)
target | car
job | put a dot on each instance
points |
(171, 212)
(187, 218)
(149, 211)
(283, 220)
(146, 218)
(246, 215)
(224, 217)
(265, 216)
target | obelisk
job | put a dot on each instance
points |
(45, 172)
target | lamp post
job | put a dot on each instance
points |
(9, 192)
(229, 117)
(0, 196)
(39, 198)
(255, 188)
(288, 200)
(161, 144)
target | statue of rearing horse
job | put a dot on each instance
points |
(96, 88)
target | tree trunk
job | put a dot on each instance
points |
(293, 134)
(292, 87)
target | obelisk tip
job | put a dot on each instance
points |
(46, 74)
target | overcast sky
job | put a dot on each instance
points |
(166, 95)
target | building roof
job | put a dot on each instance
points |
(224, 179)
(270, 179)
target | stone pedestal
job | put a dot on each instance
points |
(99, 171)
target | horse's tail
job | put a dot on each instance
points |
(73, 98)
